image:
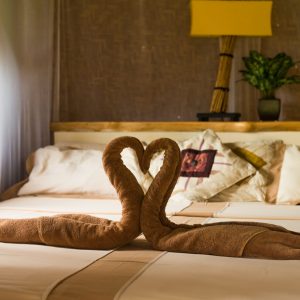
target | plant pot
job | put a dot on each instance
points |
(269, 109)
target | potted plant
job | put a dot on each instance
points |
(267, 75)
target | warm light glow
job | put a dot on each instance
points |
(10, 108)
(244, 18)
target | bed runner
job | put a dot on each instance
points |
(203, 209)
(106, 277)
(103, 279)
(130, 271)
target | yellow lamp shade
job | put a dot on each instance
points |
(239, 18)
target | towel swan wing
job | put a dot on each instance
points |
(233, 239)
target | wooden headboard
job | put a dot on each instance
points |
(103, 132)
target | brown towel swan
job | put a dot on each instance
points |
(234, 239)
(83, 231)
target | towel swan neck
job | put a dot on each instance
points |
(84, 231)
(233, 239)
(128, 189)
(153, 211)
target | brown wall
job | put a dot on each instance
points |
(134, 60)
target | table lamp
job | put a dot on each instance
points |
(228, 19)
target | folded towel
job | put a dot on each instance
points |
(84, 231)
(234, 239)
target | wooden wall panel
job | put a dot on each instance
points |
(133, 60)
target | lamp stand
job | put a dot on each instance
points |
(221, 89)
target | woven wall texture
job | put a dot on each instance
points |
(124, 60)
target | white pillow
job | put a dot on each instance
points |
(76, 171)
(208, 167)
(130, 160)
(261, 154)
(289, 182)
(128, 156)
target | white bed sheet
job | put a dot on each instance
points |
(33, 206)
(34, 270)
(195, 276)
(177, 276)
(258, 210)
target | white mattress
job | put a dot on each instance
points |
(259, 210)
(34, 270)
(32, 206)
(195, 276)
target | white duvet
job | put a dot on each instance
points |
(34, 270)
(32, 206)
(194, 276)
(258, 210)
(177, 276)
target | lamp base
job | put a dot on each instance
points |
(221, 89)
(223, 116)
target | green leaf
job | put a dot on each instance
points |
(267, 74)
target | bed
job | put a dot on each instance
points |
(136, 271)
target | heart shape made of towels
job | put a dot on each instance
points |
(234, 239)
